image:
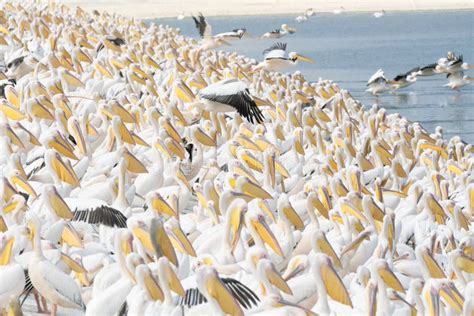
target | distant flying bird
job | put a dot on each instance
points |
(379, 14)
(233, 35)
(457, 80)
(276, 60)
(205, 31)
(339, 11)
(228, 96)
(278, 33)
(378, 83)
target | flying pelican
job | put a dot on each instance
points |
(405, 79)
(228, 96)
(378, 83)
(276, 60)
(205, 31)
(278, 33)
(457, 80)
(233, 35)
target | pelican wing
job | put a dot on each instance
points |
(104, 215)
(377, 77)
(62, 283)
(235, 94)
(275, 51)
(202, 26)
(430, 66)
(458, 60)
(245, 296)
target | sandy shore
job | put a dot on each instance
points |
(161, 8)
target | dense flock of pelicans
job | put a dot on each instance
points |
(145, 174)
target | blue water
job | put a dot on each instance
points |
(349, 48)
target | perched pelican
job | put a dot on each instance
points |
(276, 60)
(228, 96)
(278, 33)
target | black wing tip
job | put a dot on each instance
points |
(278, 45)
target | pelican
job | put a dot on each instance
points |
(52, 283)
(379, 14)
(404, 80)
(378, 83)
(457, 80)
(233, 35)
(205, 31)
(229, 95)
(275, 59)
(278, 33)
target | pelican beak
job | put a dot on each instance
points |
(282, 303)
(175, 148)
(252, 189)
(251, 161)
(151, 286)
(12, 112)
(76, 132)
(263, 205)
(293, 217)
(63, 171)
(9, 206)
(71, 79)
(432, 300)
(71, 237)
(333, 284)
(184, 93)
(119, 110)
(72, 264)
(123, 132)
(267, 235)
(275, 278)
(281, 170)
(181, 242)
(3, 225)
(323, 244)
(293, 269)
(143, 236)
(390, 279)
(304, 58)
(183, 179)
(18, 180)
(169, 128)
(159, 205)
(62, 147)
(12, 96)
(133, 164)
(40, 111)
(100, 67)
(6, 252)
(352, 210)
(433, 267)
(221, 294)
(356, 242)
(236, 222)
(173, 281)
(161, 241)
(451, 295)
(271, 169)
(203, 138)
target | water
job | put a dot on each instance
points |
(349, 48)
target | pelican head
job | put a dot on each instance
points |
(294, 57)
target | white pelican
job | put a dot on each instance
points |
(233, 35)
(457, 80)
(205, 31)
(379, 14)
(11, 273)
(52, 283)
(276, 60)
(377, 83)
(278, 33)
(404, 80)
(228, 96)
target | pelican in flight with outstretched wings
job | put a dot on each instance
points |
(205, 30)
(276, 59)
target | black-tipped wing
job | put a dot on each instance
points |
(104, 215)
(241, 101)
(430, 66)
(458, 60)
(276, 46)
(200, 24)
(245, 296)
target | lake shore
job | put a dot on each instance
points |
(149, 9)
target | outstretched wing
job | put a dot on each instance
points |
(275, 48)
(201, 24)
(245, 296)
(104, 215)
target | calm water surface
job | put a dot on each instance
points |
(349, 48)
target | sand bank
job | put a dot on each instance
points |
(161, 8)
